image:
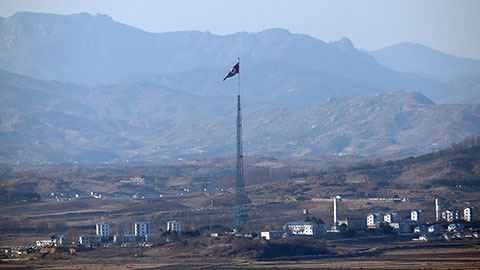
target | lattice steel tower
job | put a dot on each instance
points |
(241, 215)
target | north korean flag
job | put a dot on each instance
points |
(234, 71)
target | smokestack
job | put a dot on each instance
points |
(335, 210)
(437, 209)
(335, 222)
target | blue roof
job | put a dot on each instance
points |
(299, 223)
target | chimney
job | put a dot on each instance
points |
(335, 210)
(437, 209)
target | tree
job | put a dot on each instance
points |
(314, 220)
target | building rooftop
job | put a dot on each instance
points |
(298, 223)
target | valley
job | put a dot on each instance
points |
(201, 195)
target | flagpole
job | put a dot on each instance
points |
(238, 76)
(241, 215)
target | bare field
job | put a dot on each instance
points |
(398, 255)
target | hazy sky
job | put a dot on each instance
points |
(451, 26)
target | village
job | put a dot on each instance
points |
(451, 224)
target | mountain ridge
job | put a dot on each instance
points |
(99, 51)
(141, 121)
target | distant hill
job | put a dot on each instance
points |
(56, 122)
(453, 172)
(270, 82)
(466, 89)
(451, 167)
(95, 50)
(393, 122)
(140, 121)
(424, 61)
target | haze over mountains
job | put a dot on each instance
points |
(421, 60)
(124, 94)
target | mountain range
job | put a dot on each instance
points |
(83, 88)
(140, 121)
(95, 50)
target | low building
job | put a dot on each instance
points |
(353, 223)
(44, 243)
(117, 238)
(129, 238)
(151, 237)
(390, 217)
(435, 229)
(416, 216)
(470, 214)
(174, 226)
(103, 229)
(271, 235)
(420, 229)
(374, 219)
(89, 240)
(400, 227)
(451, 215)
(455, 227)
(426, 237)
(61, 240)
(142, 228)
(84, 240)
(304, 228)
(447, 236)
(458, 235)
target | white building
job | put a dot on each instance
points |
(103, 229)
(61, 240)
(420, 229)
(451, 215)
(142, 228)
(427, 237)
(455, 227)
(117, 238)
(400, 227)
(374, 219)
(416, 216)
(304, 228)
(44, 243)
(174, 226)
(84, 240)
(271, 235)
(87, 240)
(435, 229)
(470, 214)
(390, 217)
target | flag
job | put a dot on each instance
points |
(234, 71)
